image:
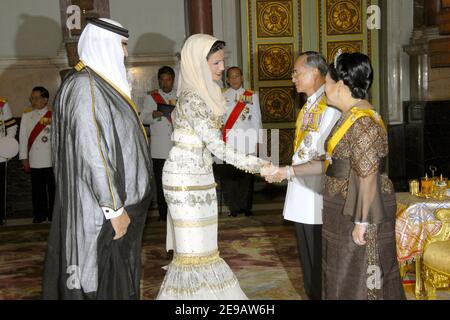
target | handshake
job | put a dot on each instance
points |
(274, 174)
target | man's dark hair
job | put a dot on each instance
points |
(218, 45)
(166, 70)
(234, 68)
(44, 92)
(315, 60)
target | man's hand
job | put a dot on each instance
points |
(26, 165)
(273, 174)
(358, 234)
(157, 114)
(120, 225)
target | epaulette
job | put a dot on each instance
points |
(27, 110)
(80, 66)
(250, 91)
(225, 90)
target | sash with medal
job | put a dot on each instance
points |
(238, 108)
(309, 121)
(356, 114)
(43, 122)
(163, 106)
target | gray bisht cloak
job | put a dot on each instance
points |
(101, 159)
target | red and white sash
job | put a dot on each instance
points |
(42, 123)
(238, 108)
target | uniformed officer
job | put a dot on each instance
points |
(241, 132)
(8, 128)
(35, 153)
(156, 113)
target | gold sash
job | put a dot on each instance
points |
(314, 127)
(340, 133)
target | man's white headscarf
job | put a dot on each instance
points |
(196, 75)
(102, 50)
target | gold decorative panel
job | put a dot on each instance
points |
(274, 18)
(346, 46)
(277, 104)
(344, 17)
(275, 61)
(286, 145)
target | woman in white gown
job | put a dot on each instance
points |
(196, 271)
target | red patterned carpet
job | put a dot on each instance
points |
(261, 250)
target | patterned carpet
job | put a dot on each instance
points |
(261, 250)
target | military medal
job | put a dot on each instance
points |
(308, 140)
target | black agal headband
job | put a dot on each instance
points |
(109, 26)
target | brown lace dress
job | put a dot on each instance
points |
(356, 191)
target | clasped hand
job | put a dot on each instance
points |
(274, 174)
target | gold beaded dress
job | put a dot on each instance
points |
(197, 272)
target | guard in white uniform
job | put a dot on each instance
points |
(156, 114)
(35, 153)
(303, 204)
(241, 132)
(8, 128)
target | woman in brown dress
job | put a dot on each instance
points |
(358, 233)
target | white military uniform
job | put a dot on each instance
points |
(243, 137)
(8, 126)
(304, 201)
(160, 128)
(40, 153)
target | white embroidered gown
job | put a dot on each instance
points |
(196, 271)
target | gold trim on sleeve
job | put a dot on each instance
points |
(98, 142)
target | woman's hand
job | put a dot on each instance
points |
(358, 234)
(268, 170)
(277, 175)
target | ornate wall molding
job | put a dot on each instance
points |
(344, 17)
(279, 104)
(345, 46)
(275, 18)
(275, 61)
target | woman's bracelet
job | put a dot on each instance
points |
(290, 172)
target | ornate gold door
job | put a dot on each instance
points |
(275, 32)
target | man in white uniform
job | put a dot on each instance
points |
(303, 204)
(8, 128)
(241, 130)
(35, 153)
(156, 113)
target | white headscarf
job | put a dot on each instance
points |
(196, 75)
(102, 51)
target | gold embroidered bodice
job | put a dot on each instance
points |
(366, 145)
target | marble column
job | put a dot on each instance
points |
(396, 32)
(199, 16)
(227, 27)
